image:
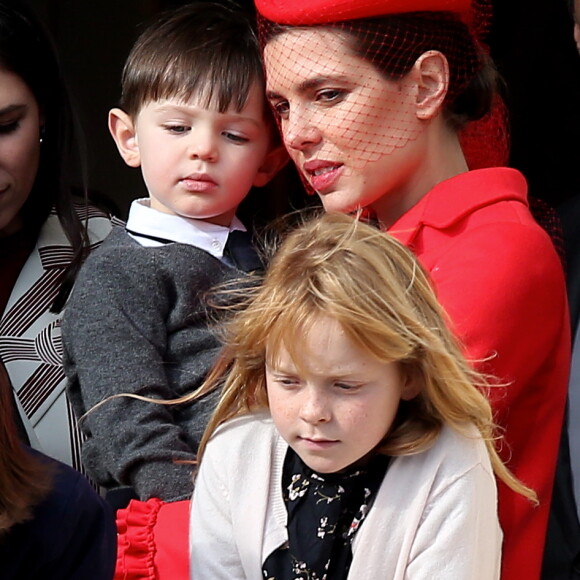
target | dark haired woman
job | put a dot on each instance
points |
(371, 98)
(44, 236)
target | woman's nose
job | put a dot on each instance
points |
(300, 131)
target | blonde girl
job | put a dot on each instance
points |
(350, 440)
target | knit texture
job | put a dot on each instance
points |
(137, 322)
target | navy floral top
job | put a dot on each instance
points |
(324, 513)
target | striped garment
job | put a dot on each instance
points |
(31, 344)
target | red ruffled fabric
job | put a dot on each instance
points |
(153, 541)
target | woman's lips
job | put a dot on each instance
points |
(322, 175)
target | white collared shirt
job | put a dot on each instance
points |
(151, 222)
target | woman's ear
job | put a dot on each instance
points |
(274, 160)
(431, 71)
(122, 129)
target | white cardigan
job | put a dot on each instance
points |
(434, 516)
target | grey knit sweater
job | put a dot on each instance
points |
(137, 322)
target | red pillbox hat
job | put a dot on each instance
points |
(312, 12)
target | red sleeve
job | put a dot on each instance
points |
(503, 288)
(153, 540)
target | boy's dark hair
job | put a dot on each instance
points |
(205, 48)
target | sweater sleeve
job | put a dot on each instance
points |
(459, 536)
(503, 288)
(213, 549)
(115, 341)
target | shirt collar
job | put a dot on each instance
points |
(453, 199)
(209, 237)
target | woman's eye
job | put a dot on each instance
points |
(330, 95)
(281, 108)
(234, 137)
(7, 128)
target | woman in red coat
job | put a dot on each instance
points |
(371, 97)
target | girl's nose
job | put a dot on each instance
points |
(315, 408)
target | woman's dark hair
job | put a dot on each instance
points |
(25, 479)
(473, 78)
(27, 51)
(393, 43)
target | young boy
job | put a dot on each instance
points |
(194, 118)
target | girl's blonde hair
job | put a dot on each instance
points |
(373, 286)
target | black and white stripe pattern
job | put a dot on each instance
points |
(31, 344)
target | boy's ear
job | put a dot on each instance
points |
(275, 159)
(122, 130)
(431, 71)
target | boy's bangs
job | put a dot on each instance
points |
(208, 83)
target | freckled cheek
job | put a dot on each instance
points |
(286, 412)
(353, 416)
(368, 417)
(281, 408)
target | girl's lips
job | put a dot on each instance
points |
(317, 443)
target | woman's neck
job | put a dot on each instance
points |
(439, 158)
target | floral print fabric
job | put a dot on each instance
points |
(324, 513)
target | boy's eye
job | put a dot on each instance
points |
(177, 129)
(10, 127)
(235, 137)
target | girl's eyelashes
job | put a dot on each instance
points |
(290, 381)
(347, 386)
(9, 127)
(287, 381)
